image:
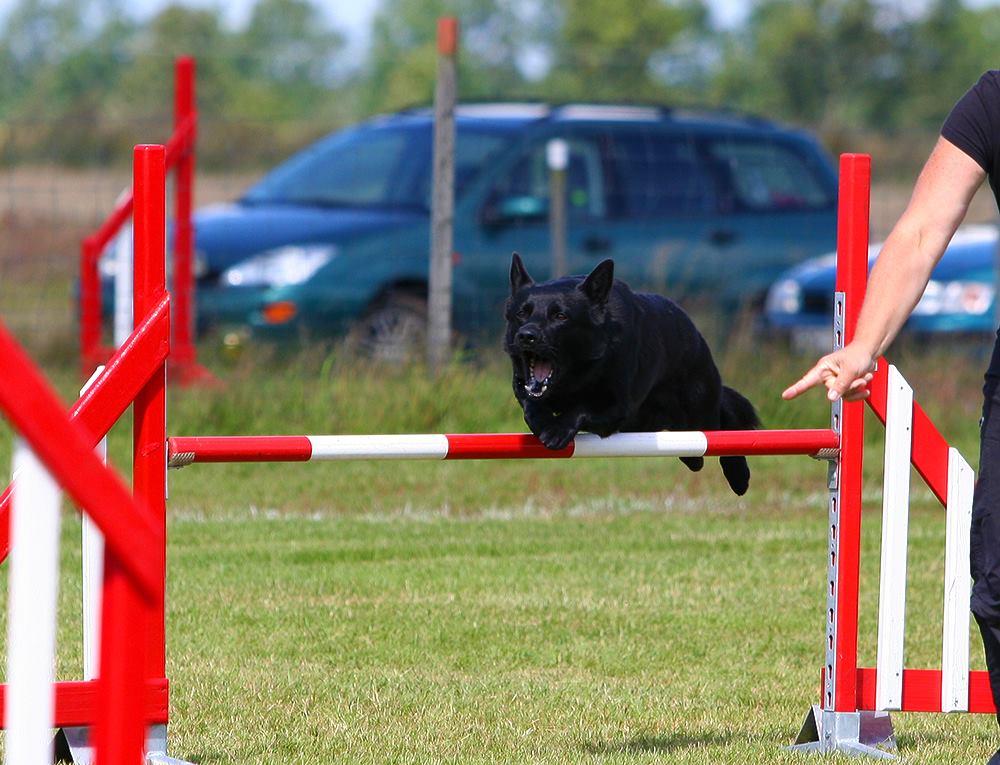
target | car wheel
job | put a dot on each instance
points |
(394, 329)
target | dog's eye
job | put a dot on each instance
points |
(560, 316)
(524, 312)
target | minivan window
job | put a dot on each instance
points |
(474, 149)
(656, 174)
(527, 183)
(764, 176)
(372, 166)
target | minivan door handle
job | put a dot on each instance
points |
(595, 244)
(722, 236)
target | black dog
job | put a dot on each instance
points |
(590, 354)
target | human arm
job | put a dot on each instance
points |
(940, 199)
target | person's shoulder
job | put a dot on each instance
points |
(990, 79)
(982, 97)
(972, 123)
(987, 92)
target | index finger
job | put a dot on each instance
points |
(809, 380)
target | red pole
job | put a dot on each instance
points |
(186, 450)
(852, 236)
(852, 278)
(131, 631)
(119, 730)
(183, 279)
(149, 408)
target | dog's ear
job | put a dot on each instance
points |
(597, 285)
(519, 277)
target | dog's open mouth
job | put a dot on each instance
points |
(539, 375)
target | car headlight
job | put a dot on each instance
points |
(784, 297)
(279, 268)
(973, 298)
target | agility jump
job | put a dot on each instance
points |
(850, 716)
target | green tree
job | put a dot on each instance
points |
(147, 85)
(37, 39)
(608, 52)
(402, 63)
(288, 42)
(827, 63)
(944, 55)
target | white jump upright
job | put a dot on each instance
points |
(892, 588)
(31, 625)
(957, 586)
(895, 527)
(93, 570)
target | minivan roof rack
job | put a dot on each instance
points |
(597, 110)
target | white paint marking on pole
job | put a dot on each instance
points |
(895, 525)
(31, 630)
(403, 446)
(957, 586)
(674, 443)
(123, 323)
(93, 573)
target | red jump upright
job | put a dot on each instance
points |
(130, 693)
(180, 158)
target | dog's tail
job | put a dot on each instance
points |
(737, 414)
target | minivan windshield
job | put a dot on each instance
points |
(385, 166)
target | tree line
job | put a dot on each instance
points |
(83, 77)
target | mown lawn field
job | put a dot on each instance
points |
(600, 611)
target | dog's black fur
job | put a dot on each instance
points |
(590, 354)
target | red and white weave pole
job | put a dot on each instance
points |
(438, 446)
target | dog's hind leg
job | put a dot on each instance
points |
(737, 472)
(736, 414)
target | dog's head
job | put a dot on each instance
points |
(556, 330)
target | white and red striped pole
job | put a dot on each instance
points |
(439, 446)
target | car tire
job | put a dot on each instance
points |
(393, 329)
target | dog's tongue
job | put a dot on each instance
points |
(541, 370)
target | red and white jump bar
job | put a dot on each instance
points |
(719, 443)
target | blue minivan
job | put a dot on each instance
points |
(697, 205)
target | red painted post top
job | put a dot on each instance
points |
(183, 89)
(447, 35)
(852, 236)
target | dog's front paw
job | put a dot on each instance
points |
(557, 437)
(538, 421)
(694, 463)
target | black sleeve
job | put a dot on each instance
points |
(973, 121)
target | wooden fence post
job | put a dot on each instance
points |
(443, 198)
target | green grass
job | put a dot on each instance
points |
(602, 611)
